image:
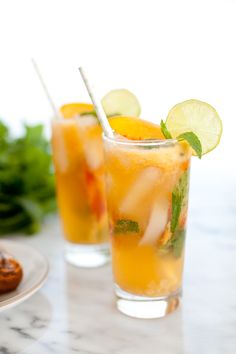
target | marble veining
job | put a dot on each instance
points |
(74, 312)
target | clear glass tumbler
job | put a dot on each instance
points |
(79, 167)
(147, 184)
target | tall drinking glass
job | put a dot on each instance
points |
(147, 185)
(79, 166)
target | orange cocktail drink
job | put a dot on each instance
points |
(147, 192)
(79, 166)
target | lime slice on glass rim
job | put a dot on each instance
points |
(121, 102)
(197, 117)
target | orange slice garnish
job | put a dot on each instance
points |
(135, 128)
(71, 110)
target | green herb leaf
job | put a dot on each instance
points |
(175, 244)
(193, 141)
(178, 242)
(92, 113)
(176, 209)
(32, 208)
(27, 192)
(3, 132)
(125, 226)
(183, 185)
(14, 223)
(165, 131)
(179, 196)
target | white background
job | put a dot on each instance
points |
(164, 51)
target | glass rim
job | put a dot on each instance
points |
(76, 116)
(146, 142)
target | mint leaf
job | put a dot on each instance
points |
(176, 209)
(125, 226)
(175, 244)
(92, 113)
(182, 187)
(165, 131)
(32, 208)
(179, 196)
(178, 242)
(3, 133)
(193, 141)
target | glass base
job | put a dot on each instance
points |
(146, 307)
(87, 256)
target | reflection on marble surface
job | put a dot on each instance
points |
(75, 313)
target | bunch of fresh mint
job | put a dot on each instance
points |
(27, 192)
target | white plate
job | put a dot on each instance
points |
(35, 269)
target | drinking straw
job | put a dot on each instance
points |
(98, 106)
(45, 89)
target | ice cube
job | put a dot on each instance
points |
(86, 121)
(157, 222)
(59, 146)
(92, 145)
(141, 188)
(93, 152)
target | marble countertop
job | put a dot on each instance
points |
(74, 312)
